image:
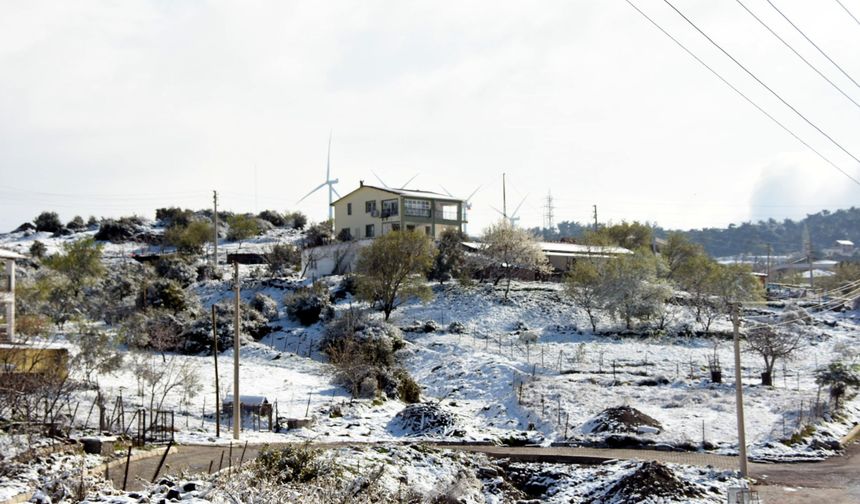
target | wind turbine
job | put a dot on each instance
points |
(512, 218)
(467, 203)
(388, 186)
(328, 182)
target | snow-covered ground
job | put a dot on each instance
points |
(498, 386)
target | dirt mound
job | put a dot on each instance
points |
(622, 419)
(425, 419)
(648, 482)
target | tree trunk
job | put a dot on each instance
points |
(767, 379)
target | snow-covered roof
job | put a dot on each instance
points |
(8, 254)
(409, 193)
(567, 249)
(847, 243)
(250, 400)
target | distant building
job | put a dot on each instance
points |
(369, 211)
(562, 256)
(7, 294)
(843, 248)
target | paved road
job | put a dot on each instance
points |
(835, 481)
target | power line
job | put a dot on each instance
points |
(786, 44)
(742, 95)
(848, 12)
(774, 93)
(813, 43)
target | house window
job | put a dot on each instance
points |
(417, 208)
(349, 208)
(395, 227)
(427, 230)
(448, 210)
(368, 231)
(410, 227)
(369, 206)
(389, 208)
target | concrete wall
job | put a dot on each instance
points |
(334, 259)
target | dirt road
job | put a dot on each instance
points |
(835, 481)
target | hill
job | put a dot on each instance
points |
(785, 236)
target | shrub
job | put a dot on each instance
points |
(198, 337)
(273, 217)
(48, 221)
(309, 305)
(242, 227)
(297, 220)
(290, 464)
(191, 238)
(175, 267)
(318, 234)
(282, 257)
(450, 258)
(267, 306)
(38, 249)
(76, 224)
(407, 389)
(92, 222)
(174, 216)
(164, 293)
(116, 231)
(32, 325)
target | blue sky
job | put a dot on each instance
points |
(111, 108)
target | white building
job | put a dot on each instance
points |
(7, 294)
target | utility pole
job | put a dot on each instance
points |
(215, 230)
(237, 405)
(504, 200)
(739, 391)
(217, 388)
(595, 217)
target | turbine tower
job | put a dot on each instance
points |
(328, 182)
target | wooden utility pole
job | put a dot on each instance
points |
(217, 387)
(595, 217)
(739, 391)
(215, 230)
(237, 405)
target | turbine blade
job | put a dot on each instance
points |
(517, 209)
(497, 210)
(408, 181)
(380, 179)
(473, 193)
(335, 191)
(317, 188)
(446, 191)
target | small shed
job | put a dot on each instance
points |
(257, 405)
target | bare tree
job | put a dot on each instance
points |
(510, 249)
(583, 285)
(772, 344)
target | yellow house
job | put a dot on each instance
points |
(371, 211)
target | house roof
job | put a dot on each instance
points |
(567, 249)
(848, 243)
(8, 254)
(248, 400)
(409, 193)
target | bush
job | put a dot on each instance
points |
(174, 216)
(38, 249)
(290, 464)
(191, 238)
(297, 220)
(92, 222)
(318, 234)
(267, 306)
(309, 305)
(273, 217)
(407, 389)
(76, 224)
(177, 268)
(165, 294)
(48, 221)
(117, 231)
(347, 286)
(242, 227)
(282, 257)
(198, 337)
